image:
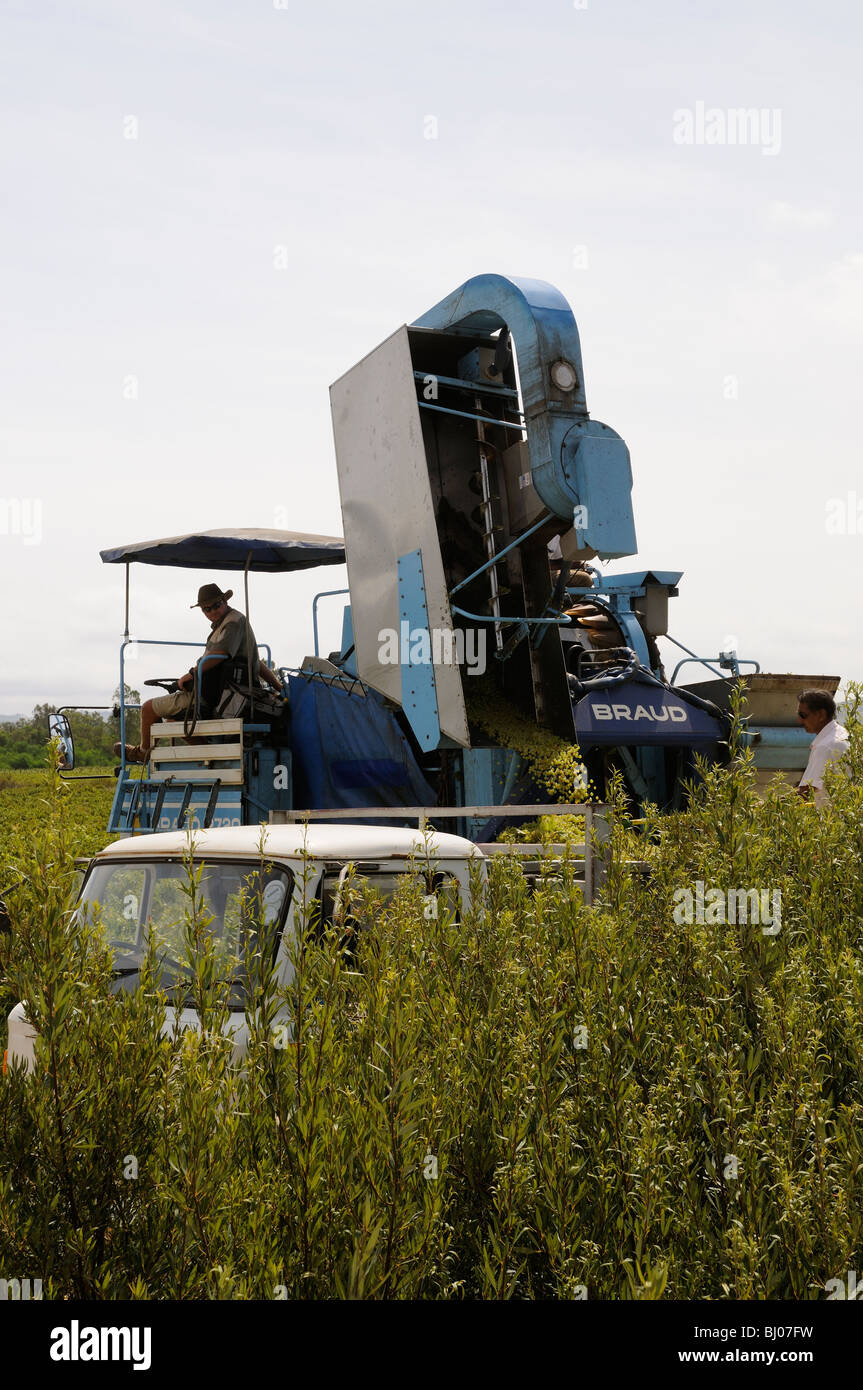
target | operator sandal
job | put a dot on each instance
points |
(132, 753)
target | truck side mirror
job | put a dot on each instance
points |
(58, 727)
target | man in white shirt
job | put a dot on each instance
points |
(817, 712)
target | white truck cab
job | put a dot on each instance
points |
(141, 887)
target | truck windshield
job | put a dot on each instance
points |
(354, 898)
(134, 899)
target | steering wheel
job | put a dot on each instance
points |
(167, 683)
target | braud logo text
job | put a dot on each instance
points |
(675, 713)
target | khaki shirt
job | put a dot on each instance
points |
(229, 635)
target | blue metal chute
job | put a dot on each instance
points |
(540, 320)
(575, 461)
(259, 550)
(635, 580)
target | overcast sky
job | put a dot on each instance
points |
(211, 210)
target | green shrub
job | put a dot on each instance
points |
(534, 1101)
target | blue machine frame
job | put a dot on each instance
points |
(579, 474)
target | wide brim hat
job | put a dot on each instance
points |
(211, 593)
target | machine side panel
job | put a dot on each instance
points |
(387, 511)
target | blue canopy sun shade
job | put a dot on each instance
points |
(259, 550)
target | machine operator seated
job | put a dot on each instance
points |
(225, 659)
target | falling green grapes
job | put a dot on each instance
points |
(553, 762)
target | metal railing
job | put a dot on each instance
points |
(595, 851)
(728, 661)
